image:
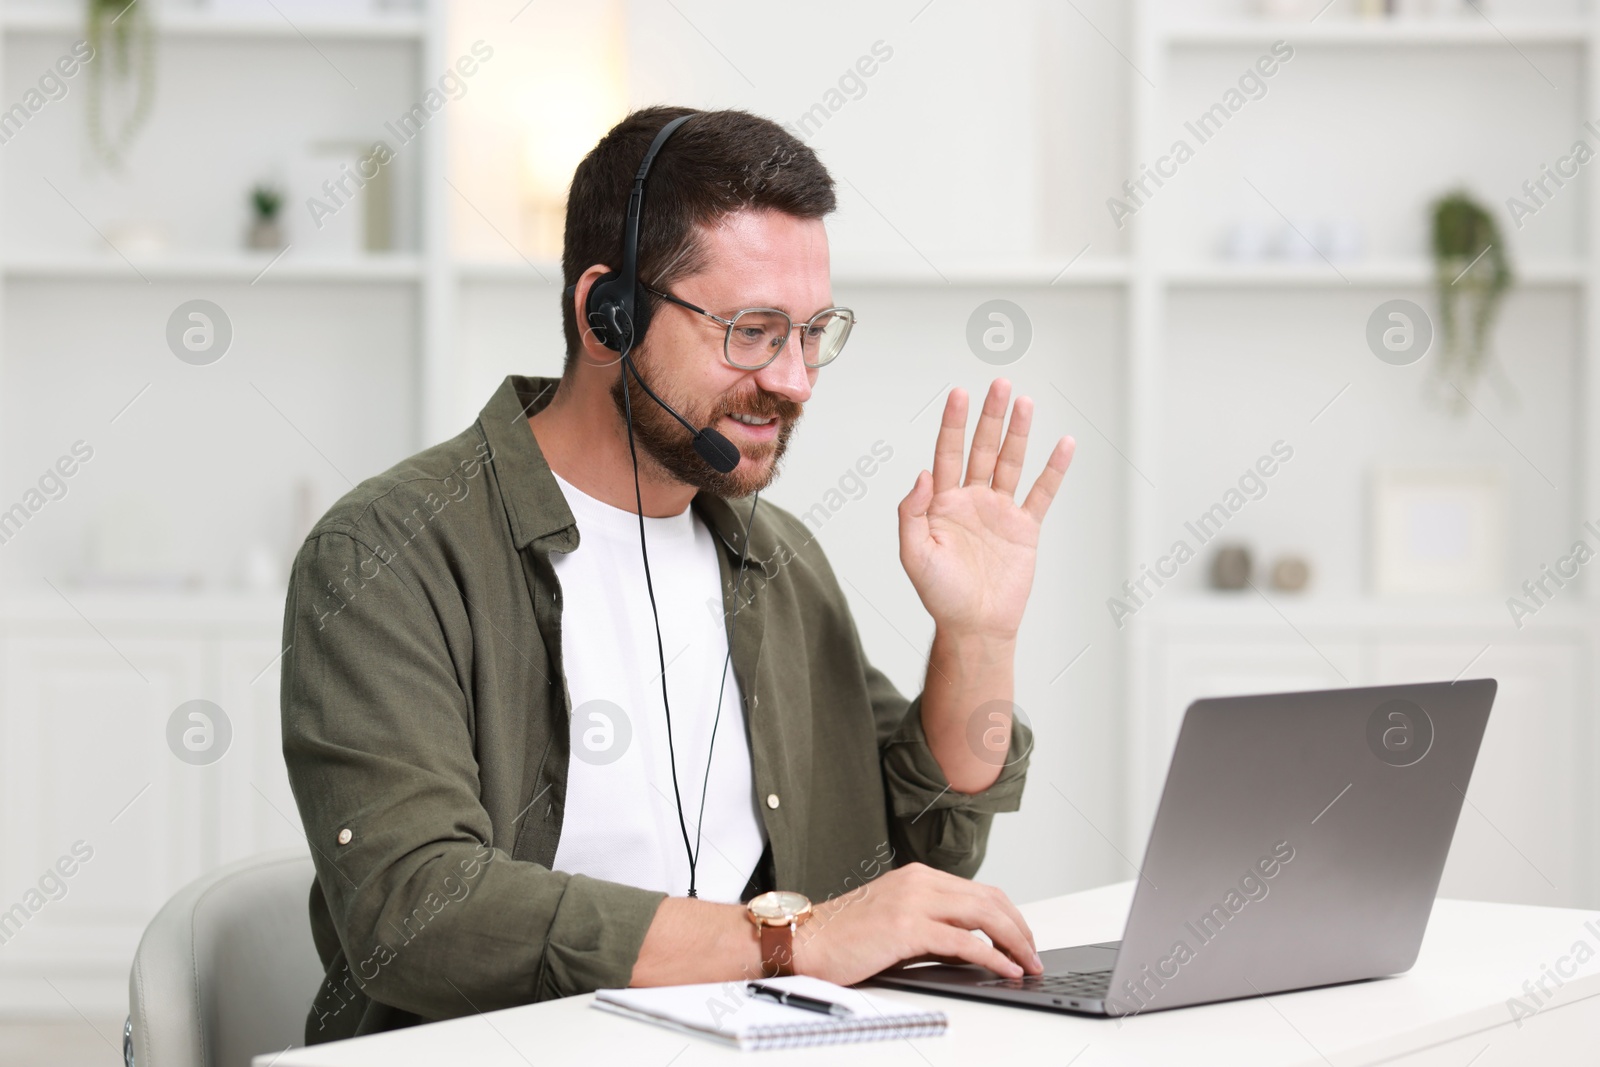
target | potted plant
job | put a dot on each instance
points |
(265, 230)
(114, 29)
(1472, 274)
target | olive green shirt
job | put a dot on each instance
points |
(426, 731)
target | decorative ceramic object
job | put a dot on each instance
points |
(1230, 567)
(1291, 574)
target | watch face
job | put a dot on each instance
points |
(779, 905)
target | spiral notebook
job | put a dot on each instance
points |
(723, 1011)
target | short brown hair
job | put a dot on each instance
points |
(715, 164)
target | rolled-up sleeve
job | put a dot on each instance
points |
(432, 915)
(929, 822)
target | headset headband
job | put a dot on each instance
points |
(630, 245)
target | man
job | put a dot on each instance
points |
(505, 781)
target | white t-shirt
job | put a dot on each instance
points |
(621, 822)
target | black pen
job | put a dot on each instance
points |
(796, 1000)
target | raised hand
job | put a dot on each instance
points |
(967, 546)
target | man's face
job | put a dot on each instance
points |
(754, 259)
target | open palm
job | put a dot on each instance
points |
(967, 545)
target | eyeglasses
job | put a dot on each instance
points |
(754, 337)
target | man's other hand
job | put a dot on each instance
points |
(914, 913)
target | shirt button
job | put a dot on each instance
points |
(345, 835)
(772, 800)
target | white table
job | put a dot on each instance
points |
(1450, 1010)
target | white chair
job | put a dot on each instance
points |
(227, 969)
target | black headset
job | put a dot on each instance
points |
(617, 300)
(617, 309)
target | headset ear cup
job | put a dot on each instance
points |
(602, 311)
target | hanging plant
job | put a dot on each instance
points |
(123, 40)
(1472, 275)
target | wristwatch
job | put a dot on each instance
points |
(776, 915)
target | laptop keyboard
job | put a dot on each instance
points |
(1092, 984)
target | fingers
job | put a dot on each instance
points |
(986, 439)
(986, 908)
(947, 450)
(950, 942)
(1049, 480)
(914, 514)
(916, 912)
(1004, 903)
(963, 906)
(993, 462)
(1008, 471)
(915, 504)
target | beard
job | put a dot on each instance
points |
(664, 440)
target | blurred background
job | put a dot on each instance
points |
(1310, 282)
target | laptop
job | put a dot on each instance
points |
(1299, 842)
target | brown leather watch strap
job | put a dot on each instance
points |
(777, 951)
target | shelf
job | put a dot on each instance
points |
(1029, 271)
(23, 609)
(1023, 271)
(399, 26)
(1215, 611)
(509, 271)
(1042, 273)
(229, 267)
(1442, 31)
(1315, 274)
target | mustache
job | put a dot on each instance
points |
(763, 404)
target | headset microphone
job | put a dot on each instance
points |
(709, 445)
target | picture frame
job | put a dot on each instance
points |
(1438, 530)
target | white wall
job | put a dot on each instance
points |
(939, 163)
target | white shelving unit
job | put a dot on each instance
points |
(112, 663)
(1199, 643)
(426, 269)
